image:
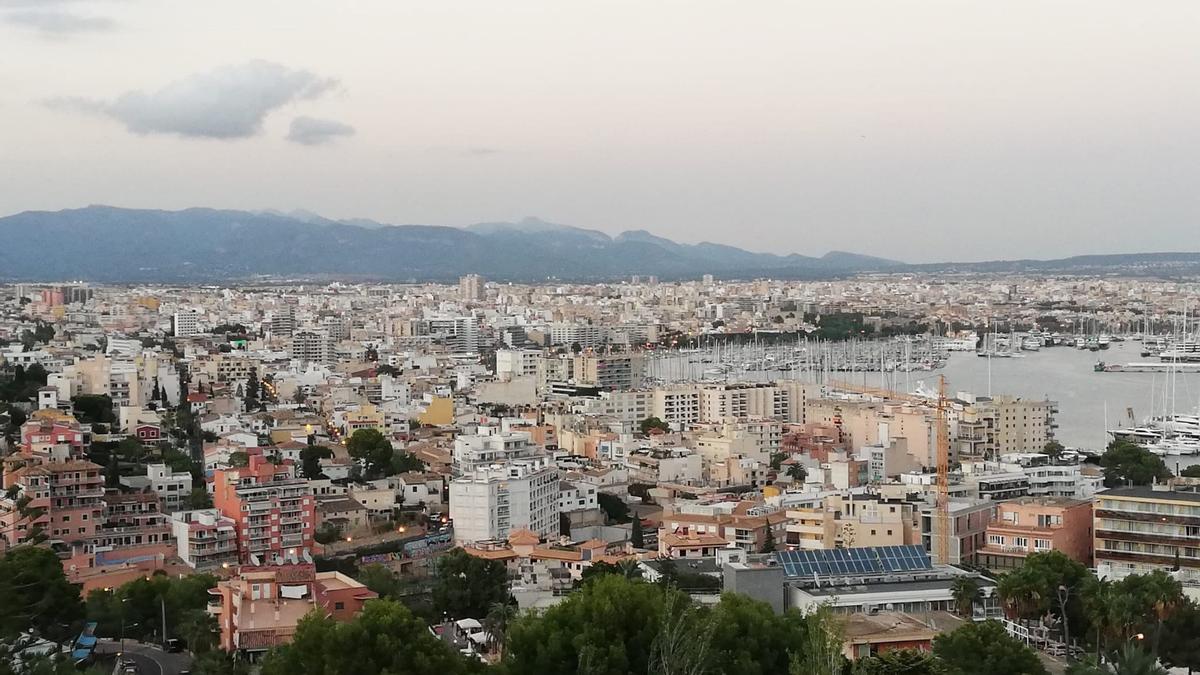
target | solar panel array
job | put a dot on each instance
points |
(852, 561)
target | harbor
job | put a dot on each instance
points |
(1091, 401)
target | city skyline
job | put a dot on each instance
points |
(978, 133)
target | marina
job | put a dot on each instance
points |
(1090, 401)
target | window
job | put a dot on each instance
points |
(996, 539)
(1023, 542)
(1042, 544)
(339, 605)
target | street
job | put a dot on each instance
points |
(150, 659)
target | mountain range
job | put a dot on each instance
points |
(109, 244)
(103, 243)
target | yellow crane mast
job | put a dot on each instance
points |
(942, 514)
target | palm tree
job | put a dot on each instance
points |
(499, 618)
(797, 472)
(1129, 661)
(630, 568)
(966, 593)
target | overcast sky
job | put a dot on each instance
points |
(916, 130)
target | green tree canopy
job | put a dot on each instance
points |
(615, 508)
(467, 586)
(900, 662)
(985, 648)
(373, 449)
(606, 628)
(1128, 463)
(310, 460)
(646, 425)
(35, 595)
(386, 638)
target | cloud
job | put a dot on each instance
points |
(55, 23)
(312, 131)
(227, 103)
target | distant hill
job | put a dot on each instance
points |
(108, 244)
(104, 243)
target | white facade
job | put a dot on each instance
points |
(490, 446)
(514, 363)
(489, 503)
(173, 488)
(186, 324)
(576, 497)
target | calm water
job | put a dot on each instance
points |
(1065, 374)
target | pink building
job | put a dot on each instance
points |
(259, 607)
(1035, 525)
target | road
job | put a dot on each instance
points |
(150, 659)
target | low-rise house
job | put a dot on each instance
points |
(260, 606)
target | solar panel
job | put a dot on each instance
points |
(865, 560)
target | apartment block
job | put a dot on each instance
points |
(67, 496)
(489, 502)
(261, 606)
(275, 512)
(1142, 529)
(205, 539)
(1036, 525)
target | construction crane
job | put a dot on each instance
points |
(942, 512)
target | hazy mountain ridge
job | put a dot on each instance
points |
(109, 244)
(104, 243)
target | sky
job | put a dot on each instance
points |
(919, 130)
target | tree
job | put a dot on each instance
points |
(797, 472)
(239, 459)
(1054, 449)
(380, 579)
(384, 638)
(1192, 471)
(403, 462)
(615, 508)
(371, 448)
(326, 534)
(650, 423)
(608, 627)
(467, 586)
(769, 540)
(985, 648)
(199, 498)
(1129, 463)
(1130, 660)
(35, 595)
(310, 460)
(94, 408)
(217, 662)
(966, 594)
(900, 662)
(139, 603)
(252, 392)
(636, 537)
(820, 653)
(500, 616)
(1180, 645)
(747, 636)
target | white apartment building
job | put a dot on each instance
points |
(567, 334)
(490, 445)
(186, 324)
(312, 346)
(576, 497)
(172, 487)
(514, 363)
(204, 539)
(490, 502)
